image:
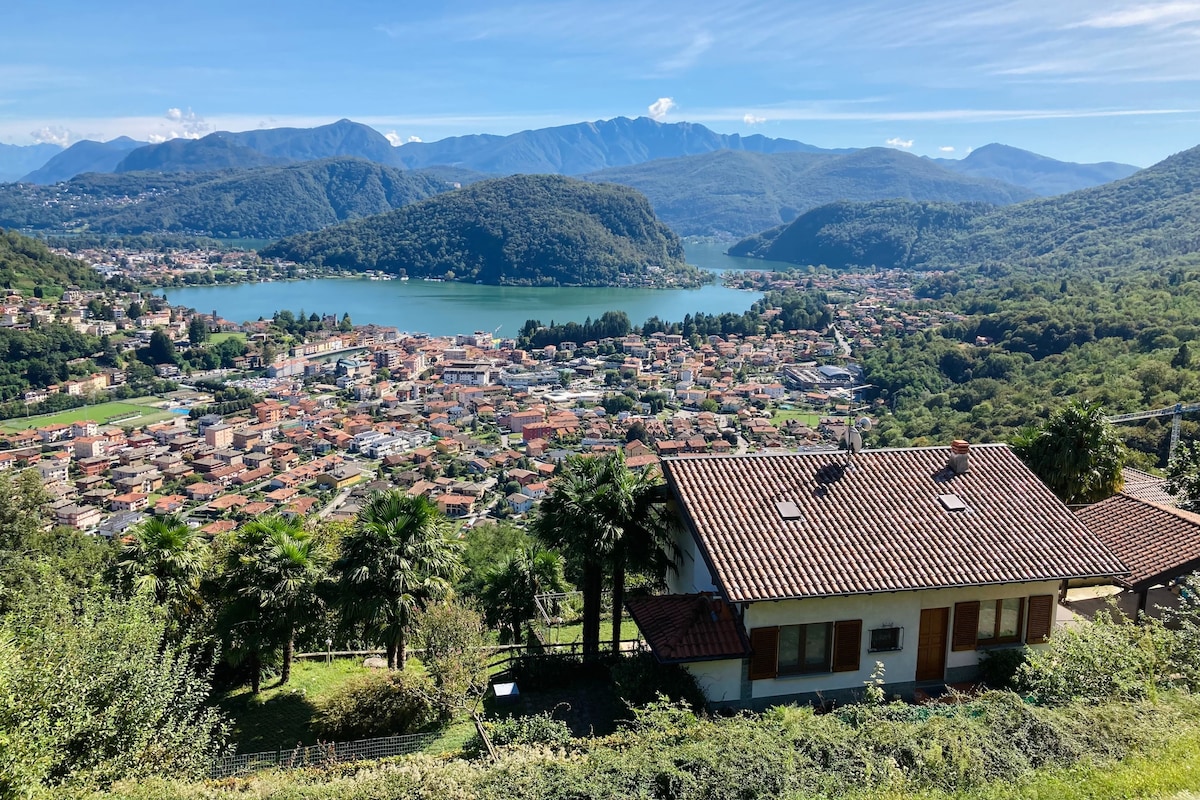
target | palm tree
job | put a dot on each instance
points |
(273, 573)
(511, 587)
(399, 557)
(1076, 453)
(572, 518)
(166, 558)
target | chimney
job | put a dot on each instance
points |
(959, 454)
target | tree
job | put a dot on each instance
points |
(197, 330)
(510, 589)
(603, 517)
(1076, 453)
(454, 643)
(1183, 475)
(1183, 357)
(161, 350)
(345, 326)
(273, 572)
(164, 558)
(399, 558)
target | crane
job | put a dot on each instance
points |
(1176, 412)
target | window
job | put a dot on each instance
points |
(805, 648)
(1000, 621)
(978, 624)
(808, 649)
(884, 639)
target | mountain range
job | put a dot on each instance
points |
(728, 193)
(17, 160)
(1039, 174)
(83, 157)
(1150, 219)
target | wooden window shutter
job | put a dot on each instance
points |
(1041, 618)
(847, 645)
(966, 626)
(764, 661)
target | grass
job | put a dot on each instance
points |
(145, 413)
(1168, 773)
(217, 338)
(282, 716)
(780, 416)
(573, 632)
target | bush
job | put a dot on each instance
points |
(640, 679)
(556, 670)
(383, 704)
(535, 729)
(998, 668)
(1109, 659)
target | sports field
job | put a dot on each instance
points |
(136, 412)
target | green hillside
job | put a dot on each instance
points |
(737, 193)
(523, 229)
(1141, 220)
(26, 264)
(264, 203)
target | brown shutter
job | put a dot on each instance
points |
(1041, 618)
(764, 661)
(847, 645)
(966, 626)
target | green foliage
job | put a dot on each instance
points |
(998, 668)
(538, 230)
(511, 587)
(1076, 453)
(640, 680)
(26, 263)
(532, 730)
(165, 559)
(399, 558)
(381, 704)
(1109, 659)
(453, 641)
(1183, 475)
(96, 692)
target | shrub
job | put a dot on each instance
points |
(382, 704)
(998, 668)
(535, 729)
(640, 679)
(1110, 659)
(556, 670)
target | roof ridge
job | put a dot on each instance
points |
(834, 450)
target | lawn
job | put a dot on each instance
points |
(217, 338)
(102, 413)
(780, 416)
(573, 632)
(282, 716)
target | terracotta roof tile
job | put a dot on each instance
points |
(879, 526)
(1158, 542)
(688, 627)
(1145, 486)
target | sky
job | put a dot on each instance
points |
(1097, 80)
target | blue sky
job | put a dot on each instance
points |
(1085, 81)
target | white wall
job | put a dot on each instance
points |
(899, 609)
(693, 575)
(721, 681)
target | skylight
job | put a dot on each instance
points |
(788, 510)
(952, 502)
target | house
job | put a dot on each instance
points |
(519, 503)
(797, 572)
(340, 477)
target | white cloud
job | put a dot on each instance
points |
(896, 141)
(947, 148)
(414, 138)
(661, 107)
(750, 119)
(394, 138)
(184, 125)
(174, 114)
(1157, 15)
(52, 135)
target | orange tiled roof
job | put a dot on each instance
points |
(802, 525)
(688, 627)
(1158, 542)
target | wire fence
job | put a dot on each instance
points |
(321, 755)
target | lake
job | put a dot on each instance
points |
(443, 309)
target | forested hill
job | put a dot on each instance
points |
(524, 229)
(737, 193)
(1141, 220)
(26, 264)
(267, 203)
(275, 201)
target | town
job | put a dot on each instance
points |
(473, 422)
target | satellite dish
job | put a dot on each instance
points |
(856, 442)
(864, 424)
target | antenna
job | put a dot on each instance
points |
(854, 439)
